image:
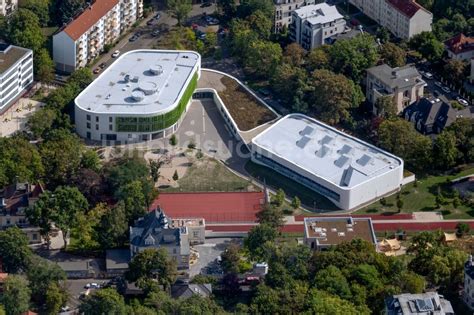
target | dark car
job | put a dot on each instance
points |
(96, 70)
(206, 4)
(155, 33)
(150, 22)
(133, 38)
(102, 65)
(157, 16)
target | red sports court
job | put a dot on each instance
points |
(214, 207)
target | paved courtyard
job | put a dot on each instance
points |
(16, 117)
(208, 253)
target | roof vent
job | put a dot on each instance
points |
(138, 95)
(156, 69)
(126, 78)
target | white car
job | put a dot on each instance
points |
(428, 75)
(116, 54)
(95, 285)
(438, 84)
(445, 89)
(462, 101)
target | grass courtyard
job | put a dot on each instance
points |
(422, 197)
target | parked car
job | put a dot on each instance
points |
(446, 89)
(427, 75)
(95, 285)
(436, 93)
(155, 33)
(157, 16)
(438, 84)
(133, 38)
(65, 308)
(102, 65)
(116, 54)
(96, 70)
(206, 4)
(150, 22)
(462, 101)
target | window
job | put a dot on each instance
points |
(196, 234)
(111, 119)
(111, 127)
(35, 236)
(96, 118)
(96, 127)
(88, 125)
(88, 117)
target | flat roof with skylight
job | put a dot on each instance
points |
(324, 151)
(141, 82)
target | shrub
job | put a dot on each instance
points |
(175, 175)
(173, 140)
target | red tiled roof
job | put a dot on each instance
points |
(212, 206)
(460, 43)
(89, 17)
(407, 7)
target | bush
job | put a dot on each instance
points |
(192, 145)
(175, 175)
(173, 140)
(199, 154)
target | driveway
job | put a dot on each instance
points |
(208, 253)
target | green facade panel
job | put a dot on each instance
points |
(157, 122)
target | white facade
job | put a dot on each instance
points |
(16, 73)
(403, 18)
(135, 96)
(81, 41)
(312, 25)
(468, 292)
(283, 10)
(349, 172)
(7, 7)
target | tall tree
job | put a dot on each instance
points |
(386, 107)
(257, 238)
(61, 153)
(288, 80)
(320, 302)
(352, 56)
(262, 57)
(38, 7)
(463, 129)
(152, 263)
(14, 250)
(271, 215)
(44, 66)
(445, 152)
(19, 161)
(260, 24)
(132, 194)
(23, 29)
(16, 295)
(56, 297)
(294, 54)
(113, 227)
(427, 45)
(231, 258)
(87, 225)
(61, 207)
(228, 8)
(105, 301)
(332, 95)
(82, 77)
(41, 121)
(333, 281)
(456, 70)
(41, 275)
(393, 55)
(67, 9)
(179, 9)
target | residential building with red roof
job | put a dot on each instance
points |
(213, 207)
(460, 47)
(403, 18)
(100, 24)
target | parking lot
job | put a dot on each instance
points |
(209, 252)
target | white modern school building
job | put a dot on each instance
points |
(348, 171)
(141, 96)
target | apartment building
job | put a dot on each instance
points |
(403, 18)
(16, 73)
(7, 7)
(404, 84)
(283, 10)
(101, 23)
(313, 25)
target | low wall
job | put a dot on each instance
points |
(408, 179)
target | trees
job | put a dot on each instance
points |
(41, 121)
(61, 207)
(228, 8)
(271, 215)
(462, 229)
(15, 295)
(333, 281)
(231, 258)
(318, 58)
(179, 9)
(463, 129)
(42, 275)
(320, 302)
(23, 29)
(247, 7)
(262, 57)
(87, 225)
(56, 297)
(445, 152)
(288, 80)
(14, 250)
(260, 24)
(19, 160)
(67, 9)
(132, 194)
(393, 55)
(294, 54)
(400, 137)
(295, 202)
(38, 7)
(332, 95)
(279, 198)
(44, 66)
(455, 70)
(61, 154)
(352, 56)
(256, 239)
(152, 264)
(105, 301)
(81, 77)
(386, 107)
(113, 227)
(427, 45)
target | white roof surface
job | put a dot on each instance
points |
(324, 151)
(319, 13)
(155, 80)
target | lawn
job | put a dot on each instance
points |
(210, 175)
(244, 108)
(423, 198)
(274, 180)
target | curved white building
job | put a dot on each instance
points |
(348, 171)
(141, 96)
